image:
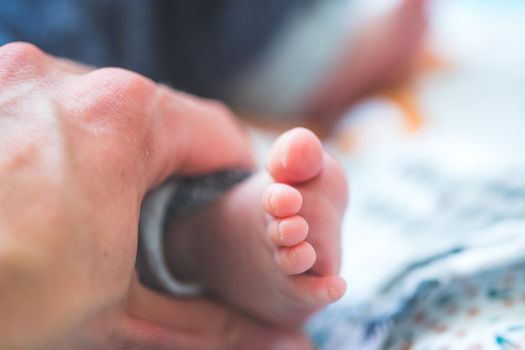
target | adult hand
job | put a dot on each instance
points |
(153, 321)
(78, 151)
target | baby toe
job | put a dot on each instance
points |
(320, 290)
(296, 156)
(288, 232)
(296, 260)
(282, 200)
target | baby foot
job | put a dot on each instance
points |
(277, 260)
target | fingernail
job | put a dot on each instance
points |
(284, 155)
(289, 343)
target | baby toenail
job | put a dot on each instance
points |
(332, 291)
(284, 160)
(293, 256)
(273, 202)
(280, 230)
(326, 294)
(284, 156)
(329, 294)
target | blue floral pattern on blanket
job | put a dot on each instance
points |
(486, 311)
(434, 254)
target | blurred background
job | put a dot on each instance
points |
(436, 158)
(437, 174)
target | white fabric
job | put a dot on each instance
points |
(152, 233)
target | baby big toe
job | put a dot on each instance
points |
(296, 156)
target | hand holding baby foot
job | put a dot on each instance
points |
(278, 260)
(80, 149)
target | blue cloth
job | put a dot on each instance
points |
(193, 45)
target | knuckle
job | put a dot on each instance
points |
(116, 96)
(21, 51)
(21, 58)
(113, 105)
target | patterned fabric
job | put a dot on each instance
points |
(484, 311)
(434, 249)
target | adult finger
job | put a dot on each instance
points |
(156, 129)
(159, 322)
(204, 133)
